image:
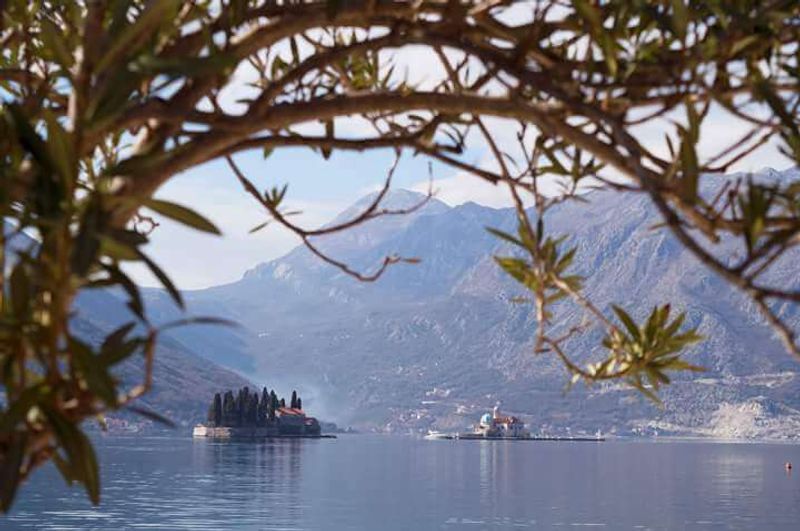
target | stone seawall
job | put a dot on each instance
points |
(249, 433)
(227, 432)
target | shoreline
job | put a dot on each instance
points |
(245, 432)
(474, 437)
(261, 437)
(180, 433)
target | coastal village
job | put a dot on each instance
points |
(245, 414)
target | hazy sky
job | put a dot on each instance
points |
(321, 189)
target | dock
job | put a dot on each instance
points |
(474, 437)
(477, 437)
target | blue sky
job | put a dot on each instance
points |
(320, 189)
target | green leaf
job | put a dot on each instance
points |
(743, 43)
(135, 298)
(81, 458)
(278, 66)
(600, 35)
(639, 386)
(515, 267)
(127, 42)
(115, 338)
(115, 349)
(163, 278)
(87, 243)
(184, 66)
(18, 410)
(94, 372)
(505, 236)
(29, 139)
(181, 214)
(142, 163)
(566, 260)
(111, 356)
(112, 98)
(294, 50)
(62, 465)
(680, 18)
(152, 415)
(197, 320)
(259, 227)
(20, 291)
(54, 43)
(332, 7)
(329, 133)
(10, 465)
(116, 249)
(629, 323)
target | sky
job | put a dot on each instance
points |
(321, 189)
(318, 188)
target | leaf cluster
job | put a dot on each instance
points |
(543, 272)
(642, 354)
(58, 239)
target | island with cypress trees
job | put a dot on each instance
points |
(245, 414)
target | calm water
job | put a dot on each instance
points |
(401, 483)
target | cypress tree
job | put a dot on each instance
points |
(242, 405)
(263, 408)
(283, 402)
(273, 404)
(228, 409)
(294, 399)
(217, 410)
(210, 415)
(252, 410)
(299, 403)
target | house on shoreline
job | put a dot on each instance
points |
(293, 421)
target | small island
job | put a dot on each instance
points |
(245, 415)
(496, 426)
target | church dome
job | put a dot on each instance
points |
(486, 419)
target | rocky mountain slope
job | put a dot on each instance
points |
(432, 345)
(183, 382)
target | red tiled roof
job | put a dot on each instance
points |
(291, 411)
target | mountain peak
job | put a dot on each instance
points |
(398, 199)
(395, 199)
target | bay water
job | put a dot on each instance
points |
(376, 482)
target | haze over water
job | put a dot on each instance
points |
(403, 483)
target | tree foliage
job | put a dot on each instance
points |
(246, 409)
(105, 101)
(263, 408)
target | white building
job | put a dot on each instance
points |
(495, 424)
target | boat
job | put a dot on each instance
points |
(434, 435)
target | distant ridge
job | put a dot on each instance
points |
(431, 345)
(181, 380)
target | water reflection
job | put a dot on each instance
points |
(397, 483)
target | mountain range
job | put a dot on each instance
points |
(183, 382)
(435, 344)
